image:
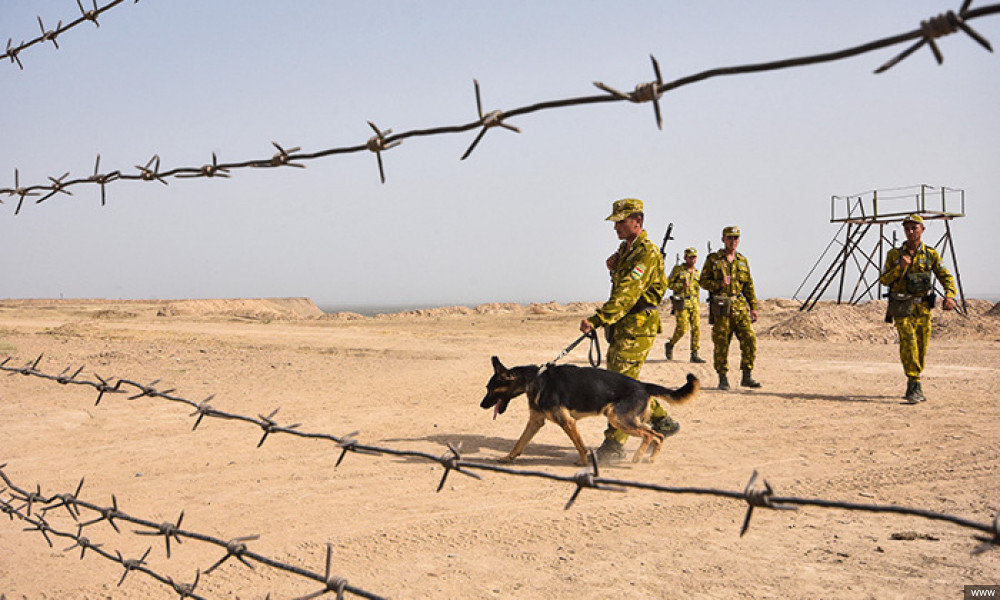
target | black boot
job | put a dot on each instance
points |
(723, 382)
(669, 349)
(665, 426)
(695, 358)
(914, 394)
(749, 381)
(610, 452)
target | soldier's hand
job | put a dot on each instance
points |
(585, 326)
(725, 280)
(612, 261)
(753, 316)
(905, 260)
(948, 303)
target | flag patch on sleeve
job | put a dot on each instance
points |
(637, 272)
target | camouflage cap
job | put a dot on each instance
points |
(914, 218)
(731, 230)
(623, 208)
(690, 252)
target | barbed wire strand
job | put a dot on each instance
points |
(753, 495)
(50, 35)
(235, 547)
(383, 140)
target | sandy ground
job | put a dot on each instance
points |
(828, 423)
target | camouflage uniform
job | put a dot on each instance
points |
(915, 330)
(679, 276)
(744, 300)
(638, 284)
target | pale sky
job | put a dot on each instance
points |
(522, 219)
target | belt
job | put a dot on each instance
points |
(641, 306)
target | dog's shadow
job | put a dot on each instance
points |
(473, 446)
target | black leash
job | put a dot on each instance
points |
(594, 350)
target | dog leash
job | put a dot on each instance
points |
(592, 352)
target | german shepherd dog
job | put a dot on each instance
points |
(564, 393)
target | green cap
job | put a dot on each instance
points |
(690, 252)
(914, 218)
(731, 230)
(623, 208)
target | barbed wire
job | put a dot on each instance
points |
(50, 35)
(384, 140)
(234, 547)
(590, 478)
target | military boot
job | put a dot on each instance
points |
(723, 382)
(695, 358)
(610, 452)
(749, 381)
(914, 394)
(669, 349)
(665, 425)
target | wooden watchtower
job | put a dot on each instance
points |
(861, 243)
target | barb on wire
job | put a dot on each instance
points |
(235, 548)
(757, 496)
(488, 120)
(269, 426)
(207, 170)
(282, 158)
(151, 174)
(452, 460)
(50, 35)
(588, 478)
(377, 144)
(331, 583)
(102, 179)
(81, 542)
(939, 26)
(20, 192)
(643, 92)
(131, 564)
(167, 530)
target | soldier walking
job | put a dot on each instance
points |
(684, 282)
(632, 322)
(726, 276)
(907, 273)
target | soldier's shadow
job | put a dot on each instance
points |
(859, 398)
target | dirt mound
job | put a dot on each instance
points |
(243, 308)
(866, 322)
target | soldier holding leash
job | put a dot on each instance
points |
(638, 285)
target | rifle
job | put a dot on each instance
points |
(666, 238)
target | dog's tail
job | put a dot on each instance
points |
(678, 396)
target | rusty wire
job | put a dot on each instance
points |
(929, 30)
(754, 495)
(235, 547)
(49, 35)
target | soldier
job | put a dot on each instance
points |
(638, 284)
(911, 296)
(683, 281)
(726, 276)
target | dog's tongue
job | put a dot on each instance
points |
(496, 410)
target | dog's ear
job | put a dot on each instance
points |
(498, 367)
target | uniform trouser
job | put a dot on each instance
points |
(686, 317)
(633, 338)
(738, 323)
(914, 337)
